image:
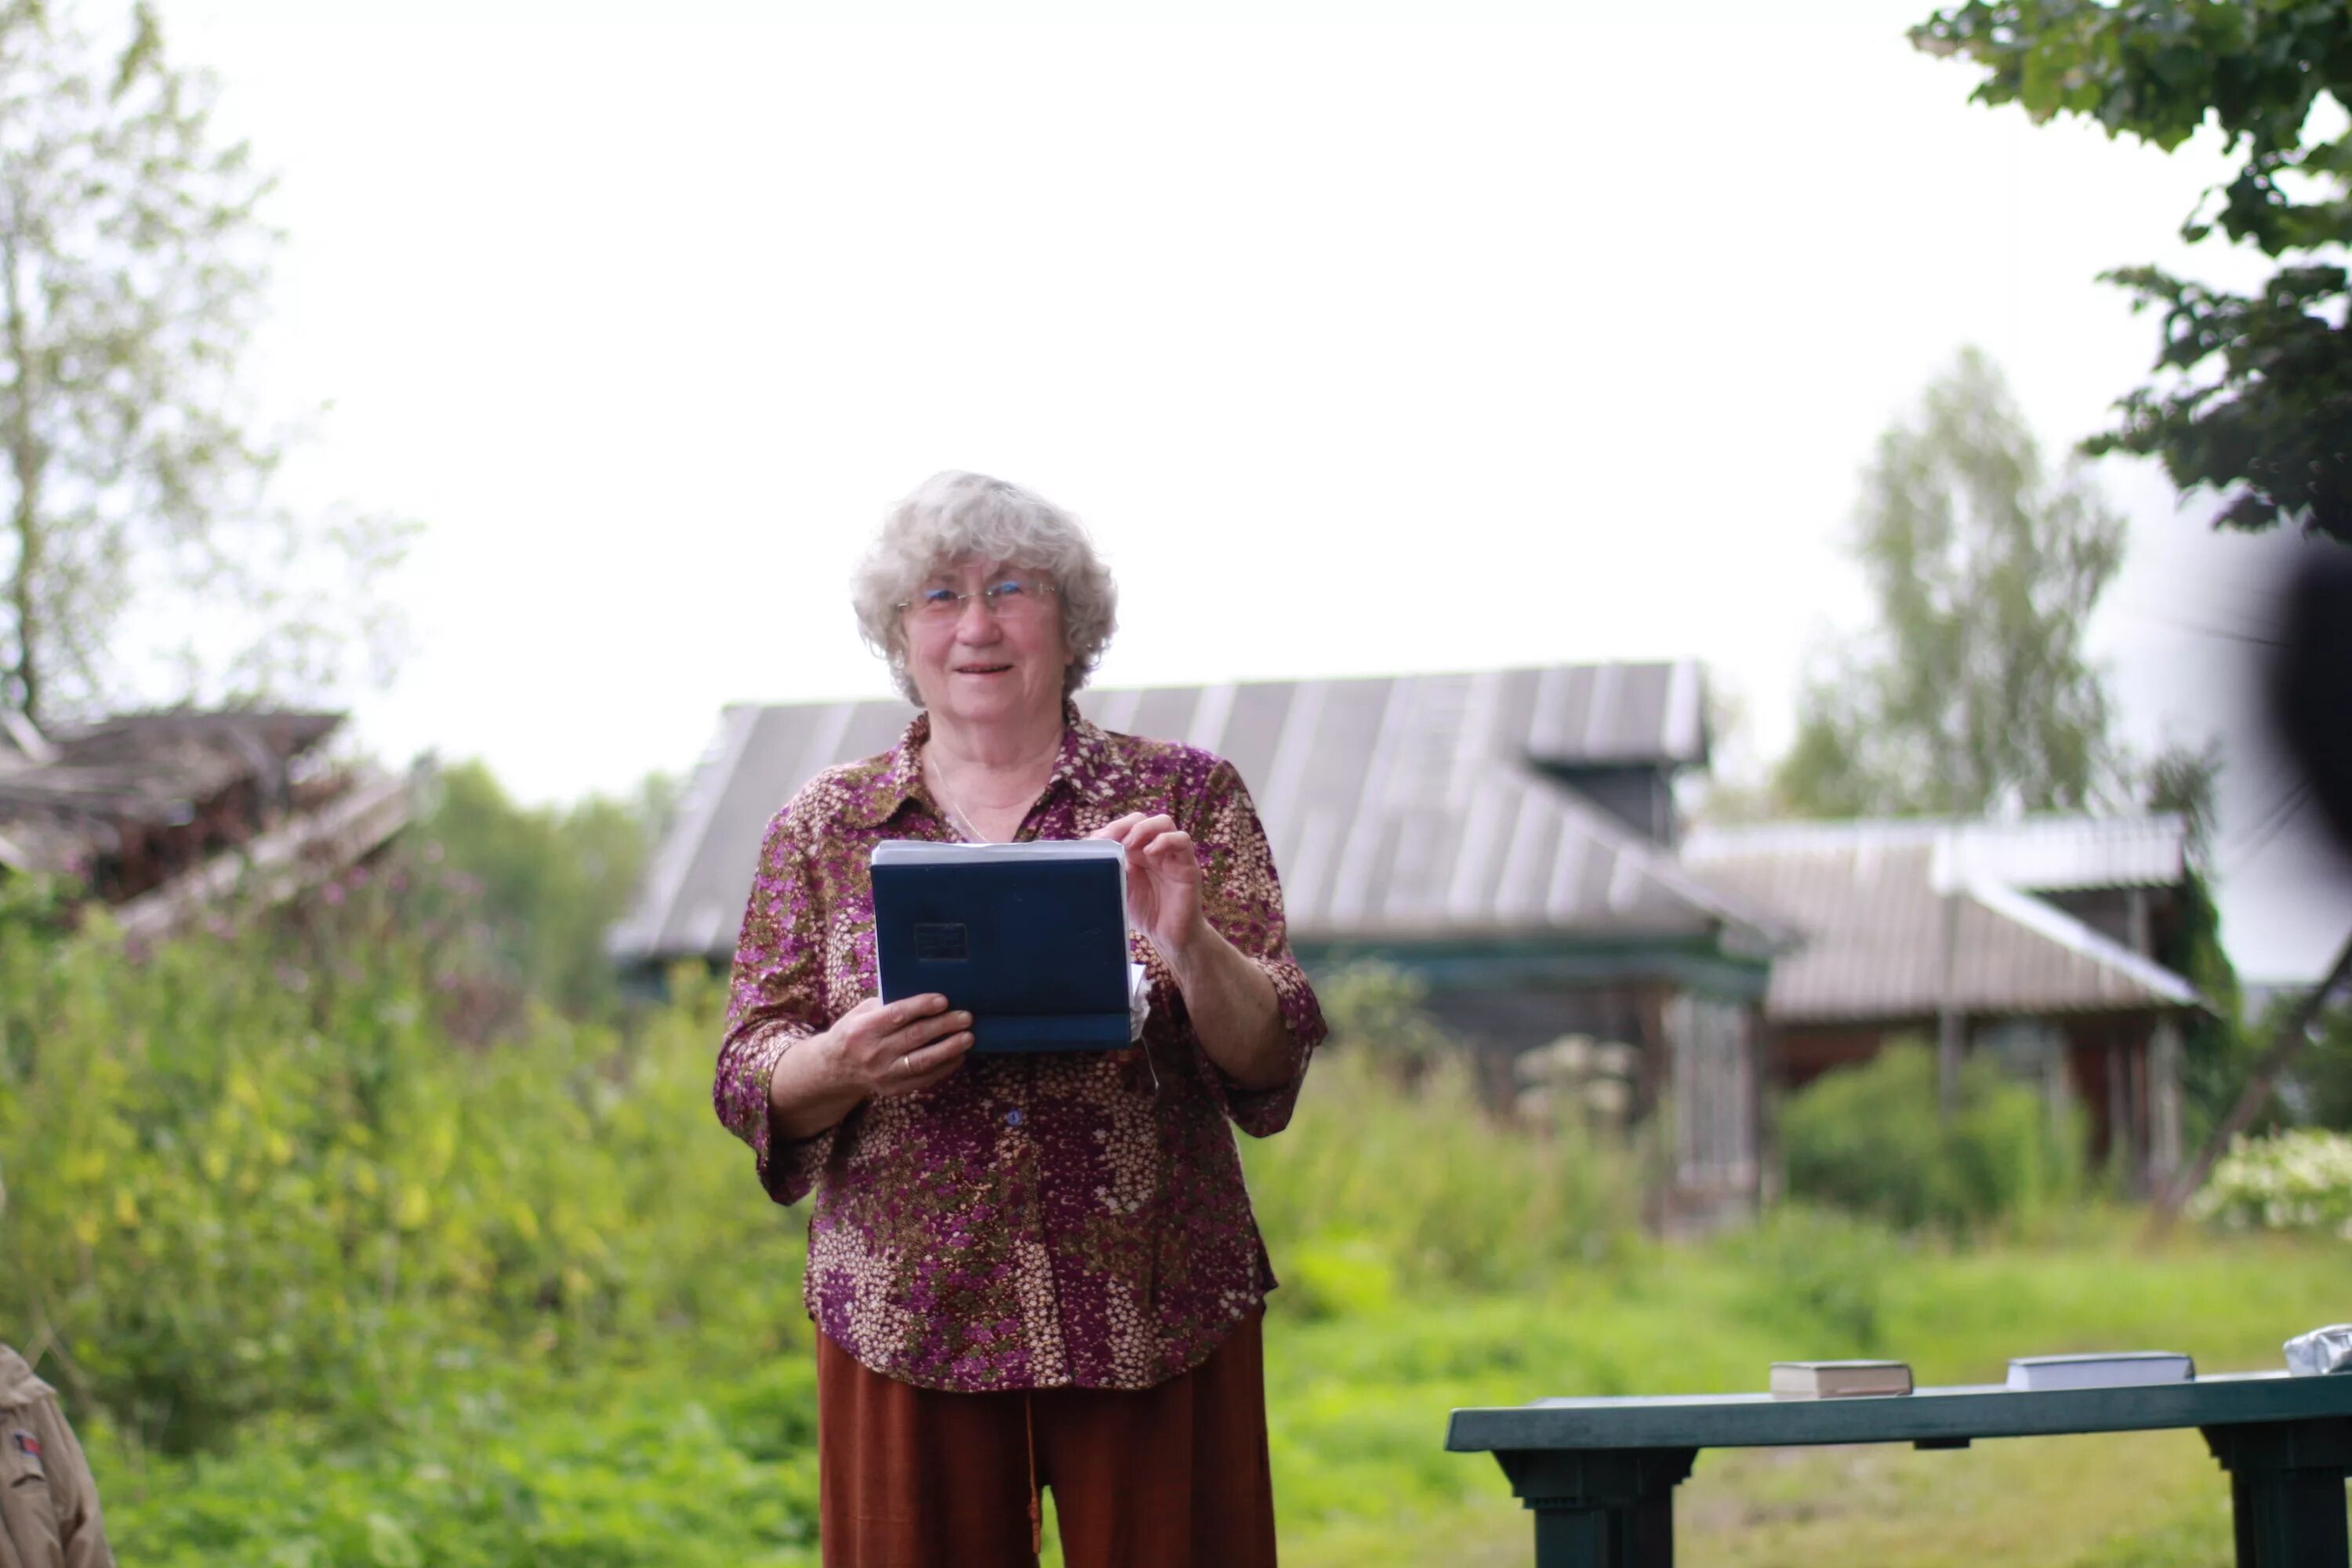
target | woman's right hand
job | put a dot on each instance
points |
(898, 1048)
(874, 1050)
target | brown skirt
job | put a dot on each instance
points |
(1173, 1476)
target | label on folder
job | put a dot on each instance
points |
(1030, 938)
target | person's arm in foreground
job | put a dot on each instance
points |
(83, 1526)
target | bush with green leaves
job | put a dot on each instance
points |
(2300, 1179)
(1869, 1140)
(260, 1172)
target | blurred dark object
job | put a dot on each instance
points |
(2310, 700)
(2310, 686)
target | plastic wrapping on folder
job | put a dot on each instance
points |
(2320, 1352)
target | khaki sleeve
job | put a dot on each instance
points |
(79, 1524)
(49, 1503)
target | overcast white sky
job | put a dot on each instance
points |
(1365, 341)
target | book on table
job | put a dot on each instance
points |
(1030, 938)
(2114, 1369)
(1839, 1379)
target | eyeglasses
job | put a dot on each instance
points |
(1010, 598)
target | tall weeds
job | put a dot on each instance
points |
(262, 1171)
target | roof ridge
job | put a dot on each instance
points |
(1659, 861)
(2049, 922)
(2050, 853)
(1924, 828)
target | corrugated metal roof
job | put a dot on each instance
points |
(1396, 806)
(2047, 854)
(1871, 900)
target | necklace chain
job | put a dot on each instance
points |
(962, 824)
(956, 819)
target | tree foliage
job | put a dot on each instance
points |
(133, 261)
(550, 880)
(1972, 694)
(2251, 393)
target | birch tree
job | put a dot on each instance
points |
(1972, 694)
(133, 263)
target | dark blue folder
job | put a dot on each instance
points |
(1030, 938)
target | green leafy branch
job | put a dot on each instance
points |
(2252, 391)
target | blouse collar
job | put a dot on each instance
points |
(1077, 769)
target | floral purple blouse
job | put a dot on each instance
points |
(1032, 1221)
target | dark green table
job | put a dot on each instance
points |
(1600, 1473)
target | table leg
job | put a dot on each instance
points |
(2286, 1490)
(1607, 1509)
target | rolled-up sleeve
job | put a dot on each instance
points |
(1242, 899)
(774, 1002)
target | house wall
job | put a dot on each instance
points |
(2141, 919)
(1640, 797)
(2109, 1064)
(1801, 1055)
(146, 855)
(1712, 1098)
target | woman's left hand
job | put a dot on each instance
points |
(1163, 881)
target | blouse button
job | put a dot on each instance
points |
(1013, 1117)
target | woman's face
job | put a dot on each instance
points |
(996, 654)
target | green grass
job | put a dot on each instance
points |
(662, 1465)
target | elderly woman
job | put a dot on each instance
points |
(1035, 1271)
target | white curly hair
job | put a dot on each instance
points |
(954, 517)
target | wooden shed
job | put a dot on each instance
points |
(164, 815)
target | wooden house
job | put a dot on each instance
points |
(2036, 939)
(1509, 836)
